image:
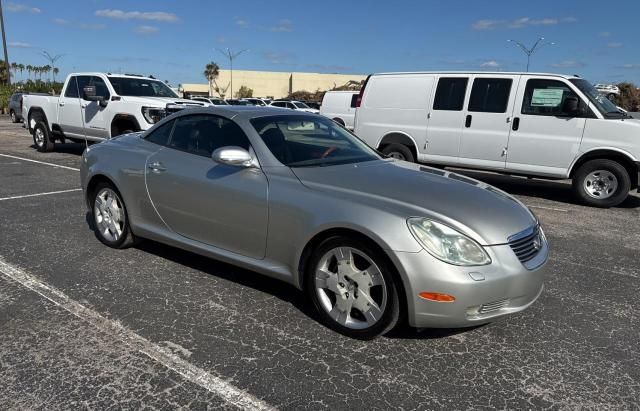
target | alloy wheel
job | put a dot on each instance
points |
(109, 215)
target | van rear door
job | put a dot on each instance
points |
(487, 121)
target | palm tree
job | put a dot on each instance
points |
(211, 72)
(14, 68)
(29, 70)
(46, 69)
(21, 68)
(55, 72)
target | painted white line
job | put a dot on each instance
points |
(215, 384)
(40, 162)
(40, 194)
(562, 210)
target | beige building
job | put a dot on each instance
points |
(271, 84)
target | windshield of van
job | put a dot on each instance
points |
(140, 87)
(311, 141)
(602, 104)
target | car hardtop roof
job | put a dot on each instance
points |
(245, 112)
(495, 73)
(100, 73)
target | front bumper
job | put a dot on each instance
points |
(482, 294)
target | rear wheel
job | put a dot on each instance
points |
(14, 118)
(353, 288)
(110, 220)
(602, 183)
(399, 152)
(41, 138)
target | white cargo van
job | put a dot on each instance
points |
(340, 106)
(540, 125)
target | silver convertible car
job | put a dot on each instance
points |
(294, 196)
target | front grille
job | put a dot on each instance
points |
(527, 244)
(494, 306)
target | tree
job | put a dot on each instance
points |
(244, 92)
(21, 68)
(46, 69)
(211, 73)
(4, 75)
(629, 98)
(51, 59)
(55, 72)
(29, 70)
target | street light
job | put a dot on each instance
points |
(4, 46)
(231, 55)
(540, 43)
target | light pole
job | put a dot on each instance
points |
(4, 45)
(231, 55)
(540, 43)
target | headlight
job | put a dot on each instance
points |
(447, 244)
(153, 114)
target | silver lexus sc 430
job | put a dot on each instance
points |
(297, 197)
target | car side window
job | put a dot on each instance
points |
(546, 97)
(72, 88)
(203, 134)
(290, 105)
(162, 134)
(450, 93)
(490, 95)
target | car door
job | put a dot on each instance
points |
(487, 123)
(70, 111)
(95, 120)
(446, 120)
(544, 139)
(215, 204)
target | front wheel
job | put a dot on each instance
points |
(399, 152)
(110, 220)
(602, 183)
(352, 288)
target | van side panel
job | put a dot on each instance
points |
(395, 103)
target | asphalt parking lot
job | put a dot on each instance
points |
(85, 326)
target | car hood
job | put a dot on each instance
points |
(483, 212)
(162, 101)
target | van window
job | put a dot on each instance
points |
(450, 93)
(546, 97)
(490, 95)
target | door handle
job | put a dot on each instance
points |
(516, 124)
(61, 103)
(156, 167)
(467, 122)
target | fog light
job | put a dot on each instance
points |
(438, 297)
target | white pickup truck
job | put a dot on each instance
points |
(98, 106)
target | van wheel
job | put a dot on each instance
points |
(601, 183)
(399, 152)
(41, 138)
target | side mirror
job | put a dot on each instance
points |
(571, 106)
(89, 94)
(233, 156)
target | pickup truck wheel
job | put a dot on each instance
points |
(399, 152)
(110, 219)
(41, 138)
(601, 183)
(14, 118)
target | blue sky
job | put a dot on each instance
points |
(173, 40)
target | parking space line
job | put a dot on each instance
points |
(40, 162)
(215, 384)
(40, 194)
(549, 208)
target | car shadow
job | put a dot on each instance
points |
(66, 148)
(554, 190)
(279, 289)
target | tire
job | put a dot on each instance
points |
(339, 295)
(109, 217)
(41, 137)
(14, 117)
(601, 183)
(399, 152)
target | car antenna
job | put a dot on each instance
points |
(84, 129)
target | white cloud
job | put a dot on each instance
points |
(242, 23)
(146, 29)
(520, 23)
(221, 39)
(17, 8)
(604, 34)
(87, 26)
(138, 15)
(615, 45)
(19, 44)
(61, 22)
(278, 58)
(631, 66)
(491, 64)
(568, 64)
(283, 25)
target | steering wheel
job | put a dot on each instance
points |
(328, 151)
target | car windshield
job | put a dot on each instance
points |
(301, 105)
(604, 106)
(140, 87)
(309, 141)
